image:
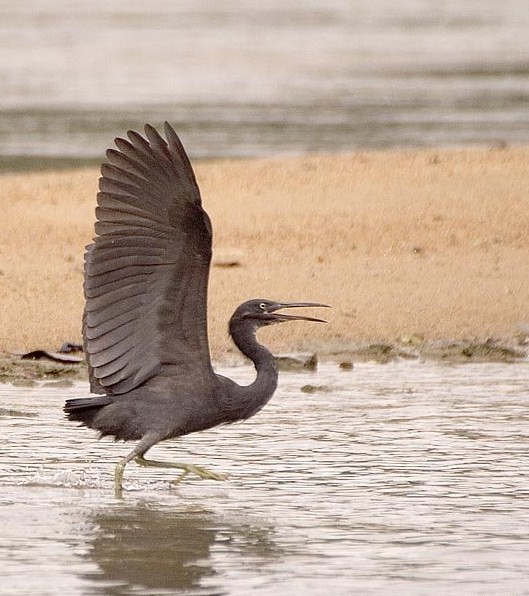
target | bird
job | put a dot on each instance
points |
(144, 322)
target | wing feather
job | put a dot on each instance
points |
(146, 273)
(113, 173)
(131, 281)
(111, 324)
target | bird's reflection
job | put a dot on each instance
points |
(162, 549)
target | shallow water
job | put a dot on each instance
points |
(252, 78)
(404, 478)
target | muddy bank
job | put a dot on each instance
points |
(27, 372)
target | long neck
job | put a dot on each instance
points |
(255, 396)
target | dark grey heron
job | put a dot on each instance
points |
(144, 322)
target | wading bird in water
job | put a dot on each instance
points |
(145, 320)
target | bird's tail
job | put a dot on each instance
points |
(84, 409)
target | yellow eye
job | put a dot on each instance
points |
(262, 306)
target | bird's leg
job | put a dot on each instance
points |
(139, 451)
(187, 468)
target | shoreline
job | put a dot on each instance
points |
(29, 372)
(412, 249)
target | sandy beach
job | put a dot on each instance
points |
(408, 247)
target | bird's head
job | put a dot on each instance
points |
(261, 312)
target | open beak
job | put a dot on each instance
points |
(280, 317)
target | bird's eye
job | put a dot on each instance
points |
(262, 306)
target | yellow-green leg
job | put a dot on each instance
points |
(187, 469)
(138, 453)
(118, 479)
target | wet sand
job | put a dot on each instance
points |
(410, 248)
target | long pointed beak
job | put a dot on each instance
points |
(284, 317)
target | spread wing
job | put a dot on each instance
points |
(146, 272)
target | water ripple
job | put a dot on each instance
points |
(404, 478)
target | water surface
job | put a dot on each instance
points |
(404, 478)
(252, 78)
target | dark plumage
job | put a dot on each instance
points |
(145, 323)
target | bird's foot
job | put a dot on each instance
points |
(202, 472)
(187, 469)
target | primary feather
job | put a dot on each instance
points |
(146, 272)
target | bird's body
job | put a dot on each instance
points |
(145, 320)
(171, 408)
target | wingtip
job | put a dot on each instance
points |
(150, 131)
(154, 137)
(118, 140)
(168, 128)
(149, 128)
(172, 136)
(109, 153)
(133, 135)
